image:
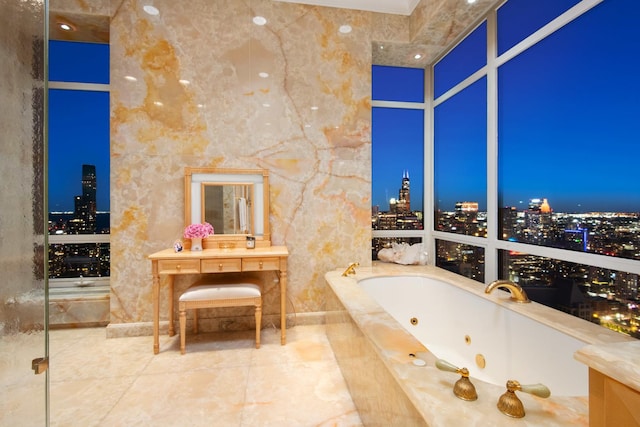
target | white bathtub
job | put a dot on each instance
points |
(370, 330)
(457, 326)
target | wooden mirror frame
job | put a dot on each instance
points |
(193, 180)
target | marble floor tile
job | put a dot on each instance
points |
(222, 380)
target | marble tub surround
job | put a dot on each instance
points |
(618, 361)
(355, 320)
(81, 311)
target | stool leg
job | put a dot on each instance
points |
(183, 329)
(195, 320)
(258, 322)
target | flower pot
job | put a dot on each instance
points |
(196, 244)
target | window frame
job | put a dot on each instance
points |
(409, 106)
(61, 287)
(492, 244)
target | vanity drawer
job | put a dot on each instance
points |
(257, 264)
(221, 265)
(178, 266)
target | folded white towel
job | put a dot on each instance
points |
(242, 214)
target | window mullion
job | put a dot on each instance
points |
(491, 252)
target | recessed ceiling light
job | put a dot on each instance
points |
(131, 78)
(417, 56)
(200, 105)
(314, 108)
(345, 29)
(266, 105)
(66, 27)
(263, 74)
(259, 20)
(158, 103)
(381, 47)
(471, 1)
(151, 10)
(184, 82)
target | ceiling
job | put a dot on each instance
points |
(95, 28)
(446, 20)
(398, 7)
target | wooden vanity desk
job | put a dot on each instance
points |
(215, 261)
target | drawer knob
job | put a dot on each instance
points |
(178, 267)
(220, 266)
(260, 265)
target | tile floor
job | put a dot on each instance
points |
(222, 380)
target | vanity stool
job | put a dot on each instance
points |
(207, 294)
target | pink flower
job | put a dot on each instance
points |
(198, 231)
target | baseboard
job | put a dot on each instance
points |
(139, 329)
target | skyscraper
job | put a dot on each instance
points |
(403, 204)
(85, 206)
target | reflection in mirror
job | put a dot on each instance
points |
(227, 207)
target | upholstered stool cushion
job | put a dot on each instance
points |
(207, 293)
(220, 291)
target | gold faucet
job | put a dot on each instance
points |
(463, 388)
(517, 293)
(509, 404)
(351, 269)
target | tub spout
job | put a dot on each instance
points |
(351, 269)
(517, 293)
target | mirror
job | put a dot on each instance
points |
(227, 207)
(234, 201)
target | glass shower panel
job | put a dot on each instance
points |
(23, 300)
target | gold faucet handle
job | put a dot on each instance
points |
(443, 365)
(351, 269)
(463, 388)
(539, 390)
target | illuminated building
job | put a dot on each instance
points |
(403, 204)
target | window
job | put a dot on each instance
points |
(78, 199)
(460, 161)
(518, 19)
(466, 58)
(562, 212)
(553, 125)
(596, 294)
(397, 84)
(397, 156)
(465, 260)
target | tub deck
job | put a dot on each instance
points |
(373, 351)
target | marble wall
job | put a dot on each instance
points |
(199, 84)
(307, 121)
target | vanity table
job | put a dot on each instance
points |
(236, 203)
(215, 261)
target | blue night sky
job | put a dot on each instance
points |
(570, 137)
(78, 124)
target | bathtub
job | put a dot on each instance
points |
(387, 316)
(456, 326)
